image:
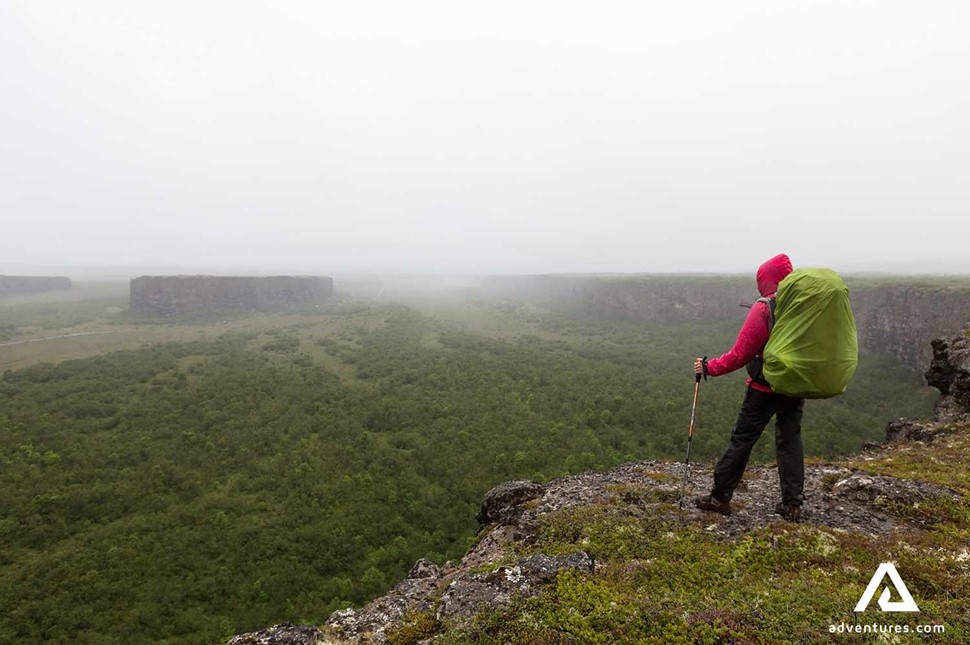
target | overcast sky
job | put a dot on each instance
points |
(488, 137)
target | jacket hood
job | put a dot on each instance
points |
(771, 273)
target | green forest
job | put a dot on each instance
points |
(184, 492)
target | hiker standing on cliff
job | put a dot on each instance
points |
(760, 404)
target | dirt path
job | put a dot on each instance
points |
(37, 340)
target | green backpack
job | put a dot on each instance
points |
(813, 347)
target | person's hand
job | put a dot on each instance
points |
(698, 366)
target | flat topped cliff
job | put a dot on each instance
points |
(172, 295)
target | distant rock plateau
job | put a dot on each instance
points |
(173, 295)
(23, 285)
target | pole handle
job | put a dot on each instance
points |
(697, 377)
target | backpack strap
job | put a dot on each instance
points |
(756, 365)
(770, 301)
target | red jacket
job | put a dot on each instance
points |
(754, 332)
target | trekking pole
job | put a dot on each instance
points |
(690, 436)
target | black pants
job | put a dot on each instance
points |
(756, 411)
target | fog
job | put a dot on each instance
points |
(469, 138)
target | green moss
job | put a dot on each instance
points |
(941, 513)
(416, 627)
(602, 531)
(942, 461)
(829, 481)
(633, 494)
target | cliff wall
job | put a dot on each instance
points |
(897, 317)
(171, 295)
(649, 298)
(22, 285)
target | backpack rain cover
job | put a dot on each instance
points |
(813, 349)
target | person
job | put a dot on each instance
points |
(759, 405)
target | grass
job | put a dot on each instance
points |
(942, 461)
(416, 627)
(108, 326)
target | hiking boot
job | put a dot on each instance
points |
(712, 504)
(791, 512)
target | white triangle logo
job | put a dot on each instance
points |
(906, 604)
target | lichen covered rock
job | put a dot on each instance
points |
(283, 634)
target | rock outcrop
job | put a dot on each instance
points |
(172, 295)
(949, 372)
(22, 285)
(282, 634)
